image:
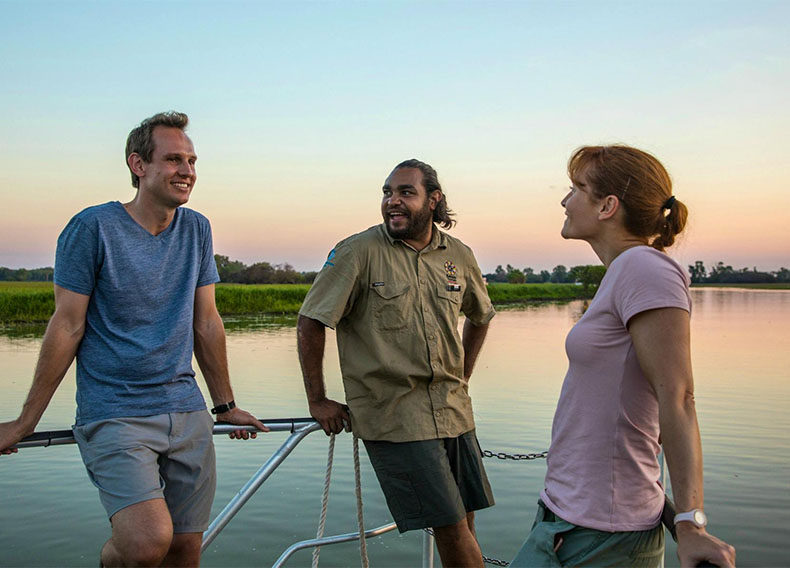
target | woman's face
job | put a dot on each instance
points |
(581, 210)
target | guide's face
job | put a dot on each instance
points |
(405, 206)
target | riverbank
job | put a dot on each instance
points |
(34, 302)
(764, 286)
(31, 302)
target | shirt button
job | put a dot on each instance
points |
(422, 281)
(425, 309)
(430, 337)
(434, 387)
(438, 413)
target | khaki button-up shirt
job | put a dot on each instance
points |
(396, 313)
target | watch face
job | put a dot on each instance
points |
(699, 518)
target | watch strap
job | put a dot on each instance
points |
(220, 408)
(691, 516)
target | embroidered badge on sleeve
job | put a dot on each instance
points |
(329, 258)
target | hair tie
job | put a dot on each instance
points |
(669, 203)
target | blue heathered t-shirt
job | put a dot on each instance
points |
(135, 358)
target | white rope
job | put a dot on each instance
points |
(363, 546)
(324, 498)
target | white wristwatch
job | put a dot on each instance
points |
(696, 516)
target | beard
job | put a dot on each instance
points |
(416, 225)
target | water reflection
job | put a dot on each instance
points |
(23, 330)
(263, 322)
(742, 375)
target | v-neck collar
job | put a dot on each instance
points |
(160, 236)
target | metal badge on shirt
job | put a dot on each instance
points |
(452, 276)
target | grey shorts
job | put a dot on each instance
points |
(167, 456)
(431, 483)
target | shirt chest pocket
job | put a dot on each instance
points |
(451, 293)
(391, 309)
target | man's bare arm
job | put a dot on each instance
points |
(311, 339)
(58, 348)
(212, 357)
(473, 338)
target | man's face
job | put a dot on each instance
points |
(405, 206)
(169, 177)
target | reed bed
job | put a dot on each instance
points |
(25, 302)
(522, 293)
(239, 299)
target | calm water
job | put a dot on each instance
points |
(50, 514)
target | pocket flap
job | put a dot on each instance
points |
(452, 295)
(391, 289)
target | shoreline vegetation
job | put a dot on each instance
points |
(34, 302)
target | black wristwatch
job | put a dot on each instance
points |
(220, 408)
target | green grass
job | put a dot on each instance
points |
(26, 301)
(238, 299)
(520, 293)
(32, 302)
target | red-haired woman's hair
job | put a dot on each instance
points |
(641, 184)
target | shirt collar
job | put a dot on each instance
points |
(438, 238)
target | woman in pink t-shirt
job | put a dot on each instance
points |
(629, 386)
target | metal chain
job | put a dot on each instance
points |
(517, 457)
(502, 456)
(495, 561)
(486, 559)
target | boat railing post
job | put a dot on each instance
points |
(427, 550)
(254, 483)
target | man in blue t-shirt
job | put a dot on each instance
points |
(134, 297)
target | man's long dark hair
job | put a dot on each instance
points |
(430, 180)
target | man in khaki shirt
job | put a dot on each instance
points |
(394, 293)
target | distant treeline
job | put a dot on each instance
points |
(725, 274)
(234, 271)
(587, 275)
(593, 274)
(26, 275)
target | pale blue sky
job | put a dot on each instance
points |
(300, 109)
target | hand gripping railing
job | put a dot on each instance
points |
(299, 428)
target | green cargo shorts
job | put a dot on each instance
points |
(587, 547)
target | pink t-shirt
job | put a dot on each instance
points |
(603, 471)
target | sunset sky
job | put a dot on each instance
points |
(299, 110)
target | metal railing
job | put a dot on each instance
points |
(298, 429)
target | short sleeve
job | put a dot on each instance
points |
(77, 258)
(476, 304)
(649, 280)
(208, 266)
(332, 293)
